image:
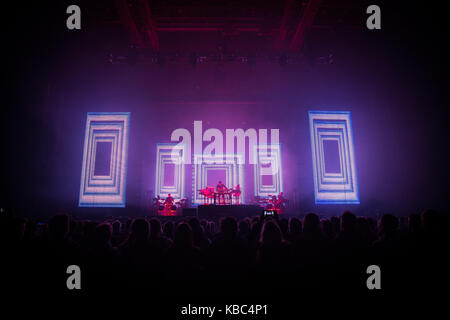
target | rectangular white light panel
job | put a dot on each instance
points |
(337, 187)
(170, 153)
(268, 162)
(105, 190)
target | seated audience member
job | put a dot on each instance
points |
(200, 240)
(272, 247)
(348, 237)
(184, 261)
(311, 229)
(157, 239)
(168, 229)
(388, 227)
(117, 235)
(101, 259)
(139, 256)
(228, 253)
(244, 228)
(313, 247)
(295, 230)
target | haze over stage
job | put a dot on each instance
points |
(112, 136)
(241, 65)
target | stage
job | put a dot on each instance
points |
(237, 211)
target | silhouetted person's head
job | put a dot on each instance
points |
(270, 234)
(388, 225)
(244, 227)
(195, 225)
(155, 227)
(311, 223)
(183, 236)
(117, 227)
(168, 229)
(140, 229)
(414, 223)
(295, 226)
(228, 227)
(58, 226)
(103, 233)
(348, 222)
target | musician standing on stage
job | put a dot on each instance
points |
(220, 189)
(237, 192)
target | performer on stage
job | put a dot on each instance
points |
(237, 192)
(280, 202)
(169, 200)
(273, 200)
(221, 189)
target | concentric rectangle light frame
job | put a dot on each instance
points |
(170, 153)
(341, 187)
(268, 154)
(234, 173)
(105, 190)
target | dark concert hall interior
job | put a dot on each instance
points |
(214, 147)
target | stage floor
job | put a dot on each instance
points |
(239, 210)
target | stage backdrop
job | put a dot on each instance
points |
(396, 137)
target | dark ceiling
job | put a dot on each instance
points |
(202, 31)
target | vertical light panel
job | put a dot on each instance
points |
(234, 173)
(107, 188)
(268, 170)
(173, 154)
(339, 186)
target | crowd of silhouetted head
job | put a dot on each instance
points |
(252, 253)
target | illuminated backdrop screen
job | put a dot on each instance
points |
(104, 165)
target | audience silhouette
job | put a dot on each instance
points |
(184, 256)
